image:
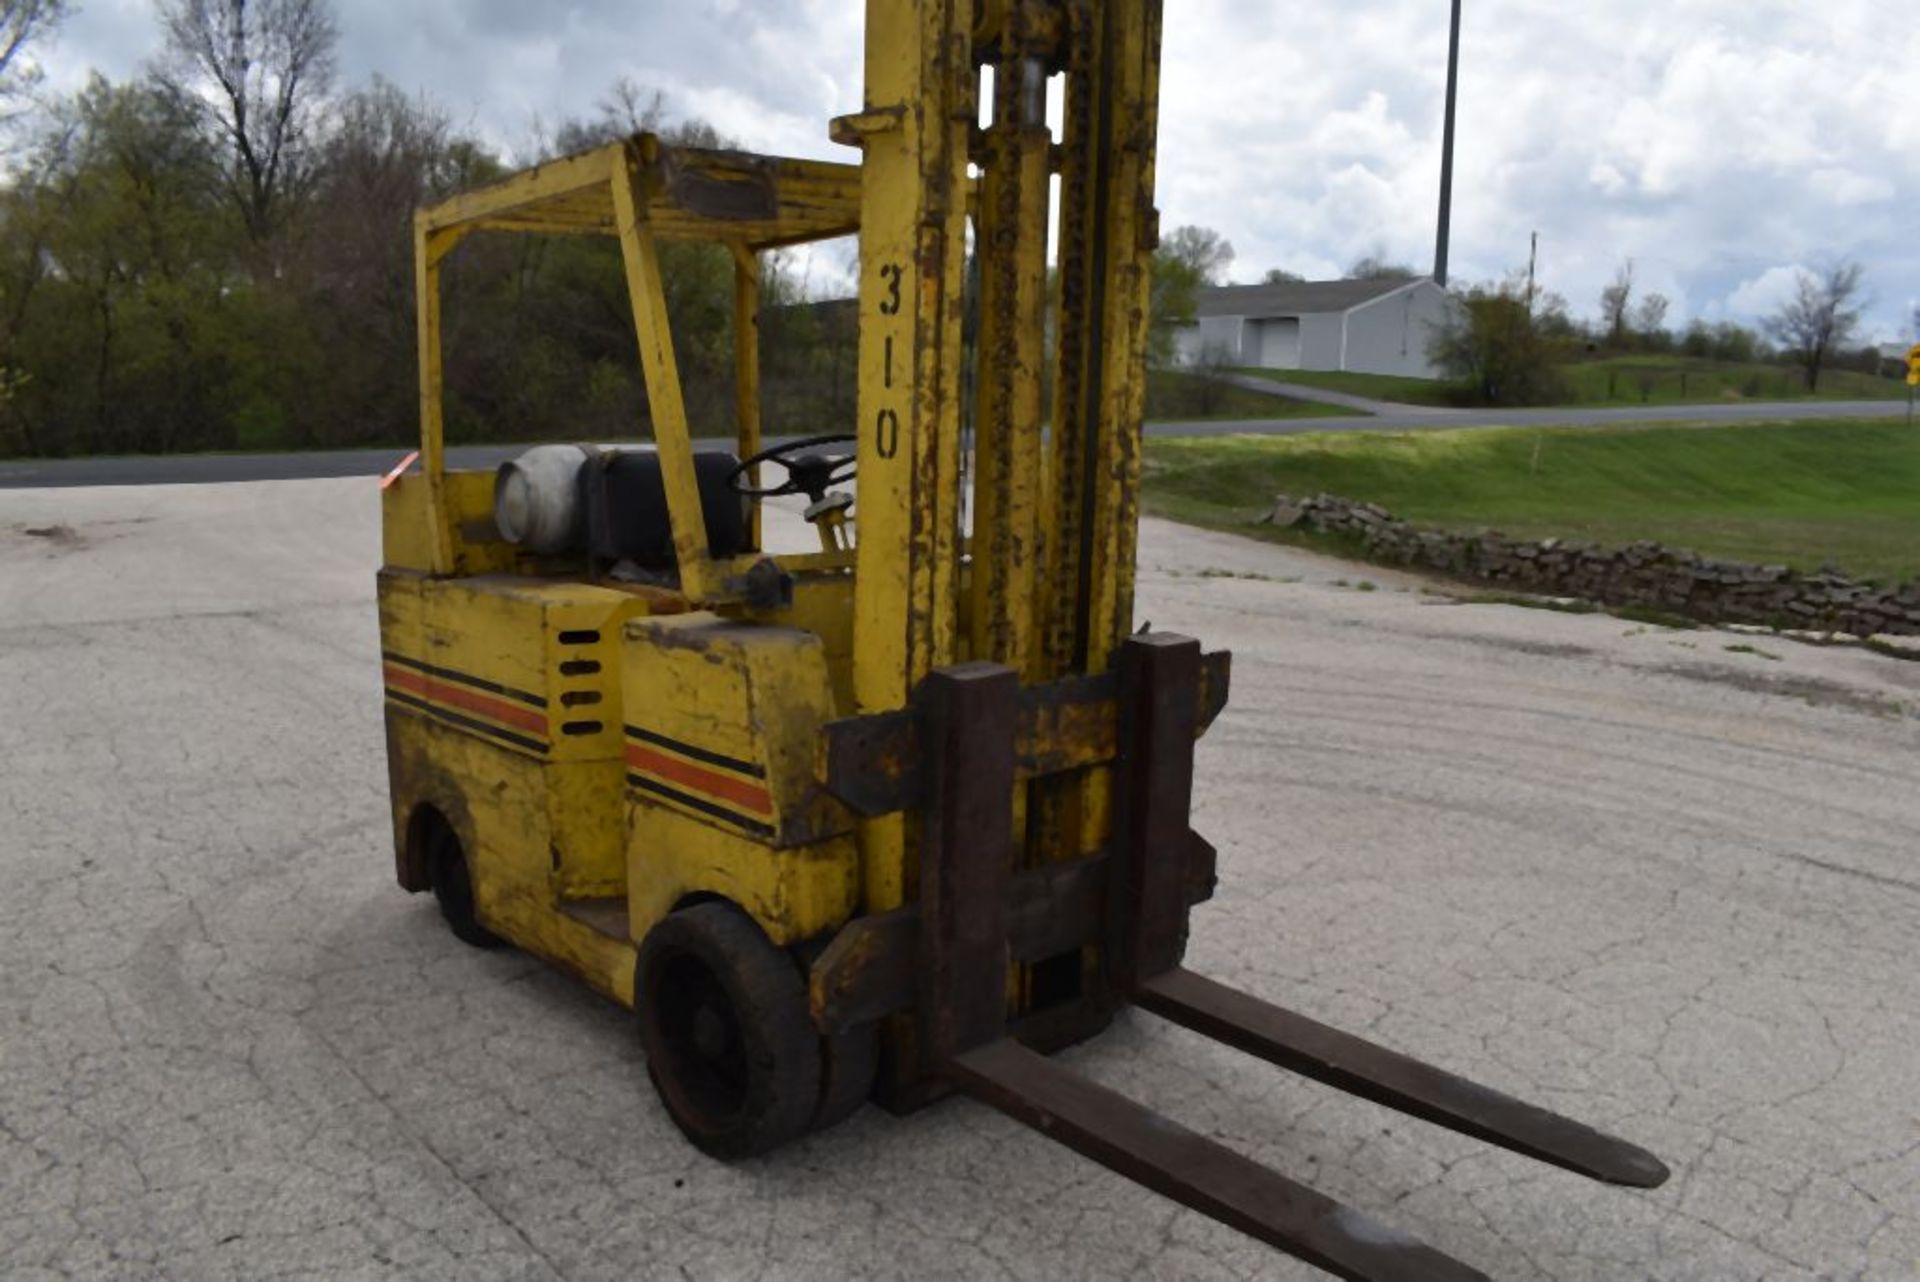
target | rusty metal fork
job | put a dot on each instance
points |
(965, 869)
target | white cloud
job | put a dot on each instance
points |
(1844, 187)
(1765, 293)
(1710, 141)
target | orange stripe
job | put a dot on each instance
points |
(751, 796)
(453, 696)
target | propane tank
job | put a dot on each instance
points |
(536, 500)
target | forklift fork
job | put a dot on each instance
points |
(956, 756)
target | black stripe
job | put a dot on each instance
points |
(704, 807)
(700, 754)
(491, 687)
(465, 723)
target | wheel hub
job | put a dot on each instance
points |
(709, 1032)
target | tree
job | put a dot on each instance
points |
(565, 323)
(1281, 276)
(1724, 341)
(1615, 299)
(122, 333)
(21, 23)
(1376, 266)
(261, 69)
(1820, 317)
(1188, 260)
(1551, 316)
(350, 271)
(1204, 253)
(1495, 350)
(1650, 320)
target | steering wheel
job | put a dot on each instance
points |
(811, 471)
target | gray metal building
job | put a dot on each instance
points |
(1362, 326)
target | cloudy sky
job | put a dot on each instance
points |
(1719, 144)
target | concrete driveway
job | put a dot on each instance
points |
(1669, 887)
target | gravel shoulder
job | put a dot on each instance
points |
(1668, 887)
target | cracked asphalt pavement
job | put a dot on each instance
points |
(1667, 887)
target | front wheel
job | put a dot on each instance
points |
(723, 1020)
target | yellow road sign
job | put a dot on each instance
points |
(1913, 365)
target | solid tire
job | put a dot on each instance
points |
(730, 1045)
(453, 887)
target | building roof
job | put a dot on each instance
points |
(1296, 298)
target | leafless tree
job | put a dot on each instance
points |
(1210, 366)
(1615, 299)
(21, 23)
(1820, 318)
(632, 108)
(262, 69)
(1377, 266)
(1650, 318)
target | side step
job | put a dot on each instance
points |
(607, 916)
(1194, 1170)
(1372, 1072)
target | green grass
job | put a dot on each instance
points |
(1799, 494)
(1177, 397)
(1680, 380)
(1628, 380)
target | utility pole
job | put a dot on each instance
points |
(1533, 262)
(1446, 152)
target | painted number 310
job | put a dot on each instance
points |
(886, 426)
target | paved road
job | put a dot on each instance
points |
(1629, 873)
(194, 469)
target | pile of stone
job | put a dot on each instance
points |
(1650, 575)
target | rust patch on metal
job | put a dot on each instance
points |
(752, 198)
(865, 973)
(874, 763)
(413, 780)
(1216, 673)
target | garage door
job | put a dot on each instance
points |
(1280, 343)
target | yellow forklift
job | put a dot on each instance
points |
(901, 815)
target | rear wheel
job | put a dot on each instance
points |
(453, 885)
(723, 1019)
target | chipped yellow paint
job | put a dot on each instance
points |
(723, 719)
(511, 812)
(914, 132)
(794, 894)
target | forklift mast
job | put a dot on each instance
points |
(1044, 585)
